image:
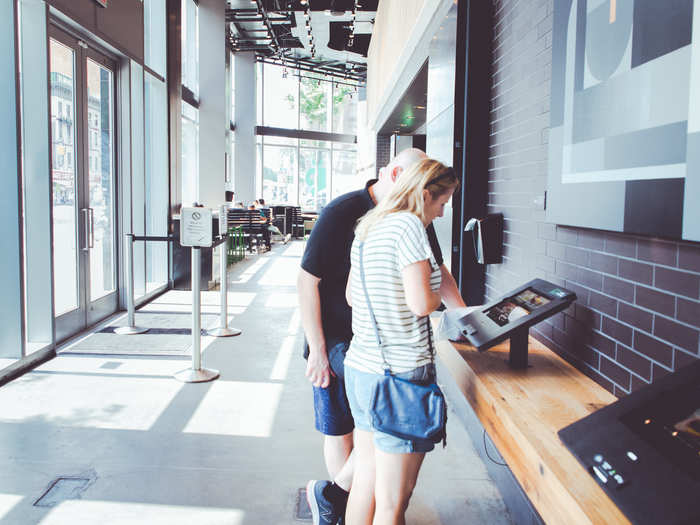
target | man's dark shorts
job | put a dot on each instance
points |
(333, 416)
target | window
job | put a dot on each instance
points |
(232, 78)
(344, 109)
(306, 173)
(281, 98)
(156, 191)
(190, 154)
(154, 35)
(314, 104)
(190, 46)
(314, 178)
(280, 174)
(345, 171)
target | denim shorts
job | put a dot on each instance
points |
(331, 408)
(359, 387)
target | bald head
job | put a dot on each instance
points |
(405, 159)
(388, 174)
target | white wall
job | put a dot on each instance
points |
(213, 107)
(244, 173)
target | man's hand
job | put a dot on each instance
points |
(318, 369)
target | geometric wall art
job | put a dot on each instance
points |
(624, 143)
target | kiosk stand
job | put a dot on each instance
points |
(511, 317)
(196, 231)
(517, 358)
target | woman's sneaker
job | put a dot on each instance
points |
(322, 510)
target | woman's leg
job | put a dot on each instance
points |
(360, 509)
(396, 476)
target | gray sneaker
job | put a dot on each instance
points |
(322, 510)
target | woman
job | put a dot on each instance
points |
(403, 283)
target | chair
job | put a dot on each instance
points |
(308, 226)
(235, 248)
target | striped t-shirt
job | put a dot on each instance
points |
(396, 241)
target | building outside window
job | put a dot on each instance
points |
(301, 172)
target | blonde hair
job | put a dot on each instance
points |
(407, 193)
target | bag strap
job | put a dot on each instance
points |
(387, 367)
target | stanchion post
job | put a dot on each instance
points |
(196, 374)
(131, 329)
(223, 329)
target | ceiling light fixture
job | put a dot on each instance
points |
(307, 14)
(351, 38)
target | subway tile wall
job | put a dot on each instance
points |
(383, 155)
(637, 317)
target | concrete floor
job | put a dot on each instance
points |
(233, 451)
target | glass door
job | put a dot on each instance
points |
(83, 182)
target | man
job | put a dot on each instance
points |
(268, 220)
(327, 322)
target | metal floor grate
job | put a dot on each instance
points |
(62, 489)
(303, 512)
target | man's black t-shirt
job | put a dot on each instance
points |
(327, 256)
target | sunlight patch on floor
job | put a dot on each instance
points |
(7, 502)
(237, 408)
(87, 401)
(281, 366)
(282, 272)
(250, 272)
(295, 249)
(126, 513)
(282, 300)
(110, 366)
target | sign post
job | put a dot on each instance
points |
(131, 329)
(223, 330)
(196, 231)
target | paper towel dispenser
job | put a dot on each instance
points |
(487, 234)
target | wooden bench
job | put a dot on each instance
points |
(253, 224)
(522, 410)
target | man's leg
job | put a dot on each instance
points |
(333, 418)
(344, 477)
(336, 451)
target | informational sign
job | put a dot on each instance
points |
(196, 227)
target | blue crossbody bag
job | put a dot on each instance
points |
(400, 407)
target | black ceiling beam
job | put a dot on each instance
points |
(337, 73)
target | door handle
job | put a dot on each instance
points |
(86, 229)
(91, 240)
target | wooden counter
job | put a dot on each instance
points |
(522, 410)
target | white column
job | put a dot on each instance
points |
(246, 117)
(213, 106)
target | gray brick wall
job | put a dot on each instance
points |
(383, 151)
(637, 317)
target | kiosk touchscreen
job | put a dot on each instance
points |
(644, 449)
(511, 317)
